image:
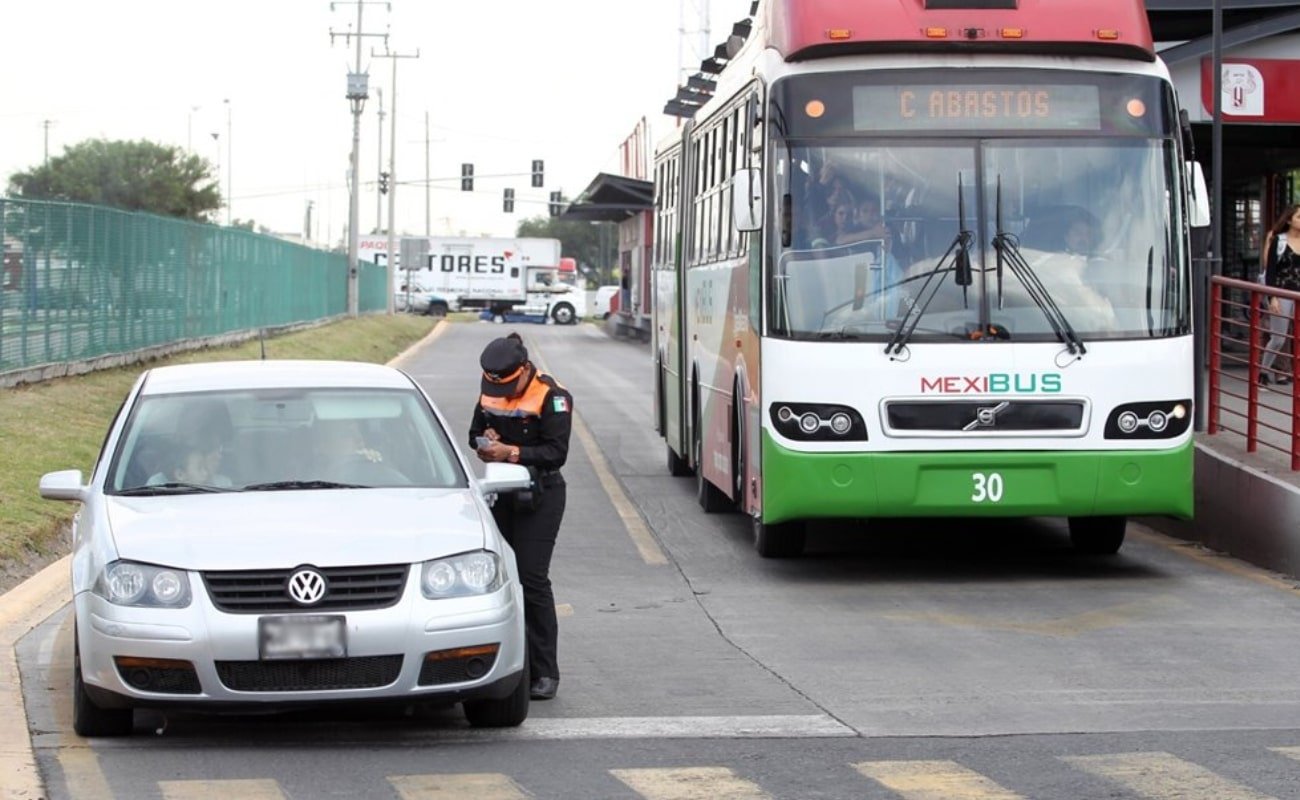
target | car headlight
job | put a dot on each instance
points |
(126, 583)
(462, 576)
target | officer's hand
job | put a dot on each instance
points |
(495, 451)
(492, 434)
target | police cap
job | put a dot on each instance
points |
(502, 360)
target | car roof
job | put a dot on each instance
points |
(271, 374)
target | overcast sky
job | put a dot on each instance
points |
(503, 81)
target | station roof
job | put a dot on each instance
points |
(611, 198)
(1190, 22)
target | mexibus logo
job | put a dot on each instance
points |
(994, 383)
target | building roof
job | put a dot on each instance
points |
(611, 198)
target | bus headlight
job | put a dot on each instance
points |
(1153, 420)
(818, 422)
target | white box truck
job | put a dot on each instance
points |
(494, 274)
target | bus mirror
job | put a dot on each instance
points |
(747, 200)
(1199, 207)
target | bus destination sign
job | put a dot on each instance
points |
(951, 107)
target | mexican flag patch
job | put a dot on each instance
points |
(560, 404)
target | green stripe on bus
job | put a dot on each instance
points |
(975, 483)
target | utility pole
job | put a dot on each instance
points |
(46, 124)
(306, 225)
(392, 179)
(230, 169)
(379, 164)
(358, 84)
(427, 227)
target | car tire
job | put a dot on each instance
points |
(88, 719)
(436, 309)
(563, 314)
(1097, 536)
(779, 540)
(504, 712)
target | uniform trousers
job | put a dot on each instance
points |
(532, 535)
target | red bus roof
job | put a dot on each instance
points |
(803, 29)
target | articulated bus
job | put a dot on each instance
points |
(930, 258)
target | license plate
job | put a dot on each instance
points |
(305, 636)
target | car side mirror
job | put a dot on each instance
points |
(63, 485)
(499, 477)
(1199, 207)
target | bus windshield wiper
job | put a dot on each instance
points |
(962, 276)
(1008, 251)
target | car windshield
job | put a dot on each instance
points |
(282, 439)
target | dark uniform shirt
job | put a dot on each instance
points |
(538, 422)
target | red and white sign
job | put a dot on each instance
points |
(1254, 89)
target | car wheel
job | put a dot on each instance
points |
(1097, 536)
(90, 720)
(563, 314)
(779, 540)
(438, 309)
(505, 712)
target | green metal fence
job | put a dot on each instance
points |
(82, 281)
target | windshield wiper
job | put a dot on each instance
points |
(1009, 251)
(281, 486)
(962, 276)
(171, 487)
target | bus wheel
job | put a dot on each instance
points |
(677, 466)
(779, 540)
(563, 314)
(1097, 536)
(710, 497)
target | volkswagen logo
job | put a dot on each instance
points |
(307, 587)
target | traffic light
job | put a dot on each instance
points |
(467, 177)
(508, 201)
(383, 183)
(555, 204)
(537, 174)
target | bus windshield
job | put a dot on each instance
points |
(864, 223)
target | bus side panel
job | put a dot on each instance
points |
(669, 352)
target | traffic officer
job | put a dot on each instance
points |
(524, 417)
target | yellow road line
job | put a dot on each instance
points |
(691, 783)
(1161, 776)
(82, 775)
(933, 780)
(255, 789)
(1289, 752)
(636, 528)
(1219, 561)
(22, 608)
(480, 786)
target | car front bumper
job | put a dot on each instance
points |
(135, 657)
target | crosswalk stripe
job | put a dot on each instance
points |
(82, 774)
(257, 789)
(689, 783)
(481, 786)
(1162, 776)
(1289, 752)
(933, 780)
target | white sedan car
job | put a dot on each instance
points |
(289, 533)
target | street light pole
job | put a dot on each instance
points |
(379, 163)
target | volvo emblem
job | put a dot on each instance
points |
(986, 416)
(307, 587)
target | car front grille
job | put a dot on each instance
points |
(350, 589)
(310, 675)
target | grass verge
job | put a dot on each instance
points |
(60, 424)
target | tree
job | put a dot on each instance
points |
(134, 176)
(593, 244)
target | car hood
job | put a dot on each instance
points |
(281, 530)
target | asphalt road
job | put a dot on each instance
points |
(928, 660)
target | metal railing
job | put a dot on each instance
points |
(1243, 331)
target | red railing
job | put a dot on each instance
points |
(1239, 334)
